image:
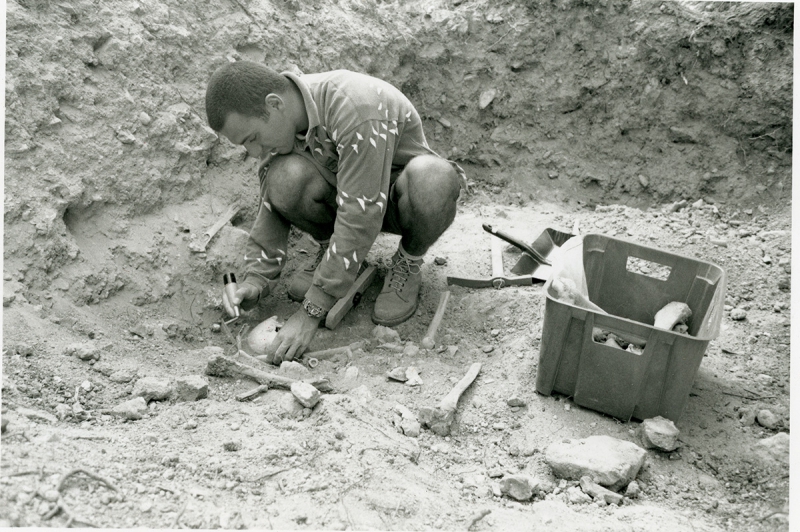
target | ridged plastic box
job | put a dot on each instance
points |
(618, 382)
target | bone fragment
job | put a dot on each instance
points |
(439, 418)
(671, 315)
(222, 366)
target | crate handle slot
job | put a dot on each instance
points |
(648, 268)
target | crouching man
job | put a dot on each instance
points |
(342, 158)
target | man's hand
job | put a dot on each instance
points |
(294, 337)
(245, 292)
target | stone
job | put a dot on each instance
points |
(597, 491)
(611, 462)
(385, 335)
(84, 351)
(410, 427)
(516, 401)
(144, 118)
(440, 261)
(3, 424)
(576, 496)
(294, 370)
(132, 409)
(659, 433)
(633, 490)
(767, 419)
(351, 373)
(519, 487)
(36, 415)
(775, 447)
(397, 374)
(152, 389)
(486, 98)
(306, 394)
(412, 377)
(191, 388)
(738, 314)
(495, 473)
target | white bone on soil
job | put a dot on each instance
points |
(440, 417)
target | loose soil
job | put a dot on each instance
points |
(620, 116)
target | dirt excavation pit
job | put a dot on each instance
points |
(664, 124)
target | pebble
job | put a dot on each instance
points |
(633, 490)
(516, 400)
(191, 388)
(519, 487)
(738, 314)
(488, 348)
(306, 394)
(495, 332)
(397, 374)
(767, 419)
(440, 261)
(410, 427)
(351, 373)
(84, 351)
(144, 118)
(500, 426)
(495, 473)
(385, 335)
(496, 491)
(152, 389)
(190, 425)
(659, 433)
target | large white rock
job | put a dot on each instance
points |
(659, 433)
(152, 389)
(306, 394)
(775, 447)
(610, 462)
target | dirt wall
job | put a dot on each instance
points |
(631, 102)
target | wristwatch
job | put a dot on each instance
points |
(313, 310)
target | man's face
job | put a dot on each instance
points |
(258, 135)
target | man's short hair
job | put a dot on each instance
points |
(241, 87)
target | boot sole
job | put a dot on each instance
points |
(395, 321)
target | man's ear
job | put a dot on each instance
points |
(273, 101)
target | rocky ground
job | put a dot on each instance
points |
(666, 124)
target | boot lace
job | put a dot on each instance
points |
(400, 272)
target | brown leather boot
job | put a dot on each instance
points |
(400, 295)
